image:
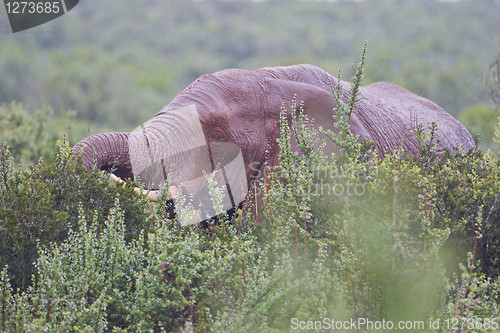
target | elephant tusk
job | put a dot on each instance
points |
(117, 179)
(153, 195)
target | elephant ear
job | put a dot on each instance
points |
(215, 192)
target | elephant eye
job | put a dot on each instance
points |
(217, 134)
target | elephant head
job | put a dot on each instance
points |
(226, 123)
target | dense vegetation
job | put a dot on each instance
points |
(356, 236)
(403, 239)
(40, 206)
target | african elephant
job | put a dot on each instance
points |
(233, 115)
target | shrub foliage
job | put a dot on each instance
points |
(41, 205)
(347, 237)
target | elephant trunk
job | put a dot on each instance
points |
(106, 151)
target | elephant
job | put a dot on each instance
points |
(231, 118)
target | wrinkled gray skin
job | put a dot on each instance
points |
(243, 107)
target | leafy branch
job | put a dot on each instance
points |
(344, 140)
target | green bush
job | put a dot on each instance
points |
(41, 206)
(480, 121)
(377, 253)
(31, 134)
(96, 279)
